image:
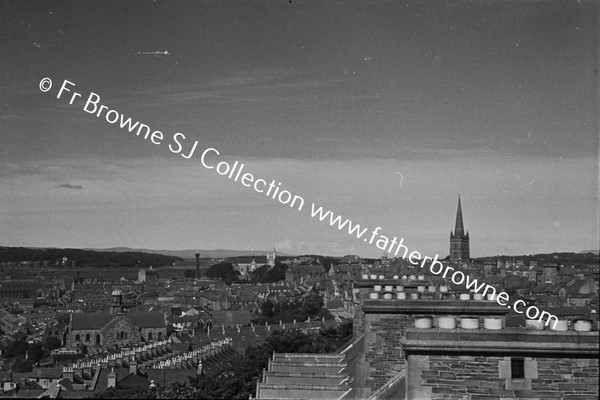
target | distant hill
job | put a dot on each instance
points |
(219, 253)
(596, 252)
(85, 257)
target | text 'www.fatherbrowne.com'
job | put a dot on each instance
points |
(210, 159)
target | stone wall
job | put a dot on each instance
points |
(384, 323)
(111, 334)
(384, 355)
(482, 377)
(145, 333)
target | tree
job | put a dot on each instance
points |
(312, 302)
(18, 348)
(236, 378)
(267, 308)
(259, 275)
(170, 330)
(22, 365)
(266, 274)
(52, 342)
(277, 273)
(189, 273)
(35, 352)
(224, 271)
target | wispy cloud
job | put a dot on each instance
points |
(137, 195)
(69, 186)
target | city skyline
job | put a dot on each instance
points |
(383, 113)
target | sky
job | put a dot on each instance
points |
(380, 111)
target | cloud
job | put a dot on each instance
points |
(69, 186)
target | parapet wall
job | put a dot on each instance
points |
(384, 322)
(458, 363)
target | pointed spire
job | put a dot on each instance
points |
(459, 229)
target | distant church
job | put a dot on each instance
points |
(459, 240)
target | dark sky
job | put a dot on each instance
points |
(383, 111)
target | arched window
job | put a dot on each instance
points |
(149, 335)
(87, 337)
(160, 335)
(77, 338)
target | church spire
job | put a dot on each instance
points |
(459, 241)
(459, 229)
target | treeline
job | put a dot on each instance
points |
(310, 306)
(227, 272)
(77, 258)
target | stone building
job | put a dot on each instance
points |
(100, 331)
(147, 275)
(299, 273)
(433, 346)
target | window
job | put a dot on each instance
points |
(517, 368)
(87, 337)
(149, 335)
(77, 338)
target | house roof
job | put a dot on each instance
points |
(46, 373)
(577, 286)
(96, 321)
(90, 321)
(134, 381)
(226, 317)
(147, 319)
(165, 377)
(102, 382)
(182, 347)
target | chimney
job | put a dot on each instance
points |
(133, 368)
(112, 379)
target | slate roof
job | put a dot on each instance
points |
(90, 321)
(102, 383)
(96, 321)
(164, 377)
(576, 286)
(134, 381)
(313, 268)
(333, 304)
(182, 347)
(46, 373)
(225, 317)
(148, 319)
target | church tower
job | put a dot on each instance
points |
(117, 302)
(271, 257)
(459, 240)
